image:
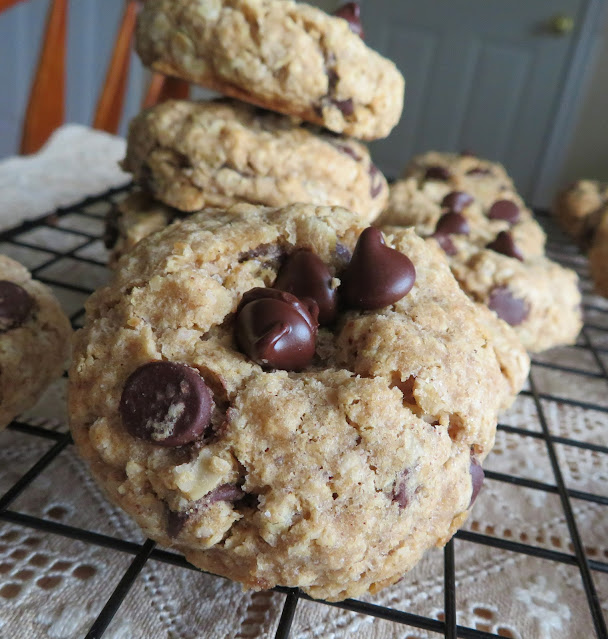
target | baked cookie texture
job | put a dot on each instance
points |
(419, 203)
(580, 207)
(485, 180)
(192, 155)
(539, 298)
(334, 479)
(34, 339)
(133, 218)
(281, 55)
(598, 257)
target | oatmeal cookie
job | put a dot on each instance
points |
(579, 209)
(423, 205)
(34, 339)
(278, 54)
(288, 397)
(598, 257)
(442, 172)
(192, 155)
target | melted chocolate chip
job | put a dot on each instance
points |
(452, 223)
(479, 170)
(437, 173)
(304, 274)
(351, 12)
(377, 275)
(504, 210)
(176, 522)
(276, 329)
(504, 244)
(456, 201)
(477, 476)
(166, 403)
(15, 305)
(346, 106)
(512, 310)
(445, 242)
(376, 181)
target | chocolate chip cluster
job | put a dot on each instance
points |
(16, 305)
(277, 327)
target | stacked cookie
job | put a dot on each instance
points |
(582, 211)
(292, 59)
(494, 246)
(280, 391)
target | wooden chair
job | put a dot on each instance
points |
(46, 105)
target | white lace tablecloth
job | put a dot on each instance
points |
(51, 586)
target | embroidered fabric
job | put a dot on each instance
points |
(53, 586)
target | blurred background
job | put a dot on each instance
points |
(524, 83)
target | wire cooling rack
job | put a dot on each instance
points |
(78, 230)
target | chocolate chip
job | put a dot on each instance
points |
(15, 305)
(175, 522)
(377, 275)
(276, 329)
(504, 244)
(452, 223)
(445, 242)
(346, 106)
(225, 492)
(477, 476)
(512, 310)
(347, 150)
(304, 274)
(166, 403)
(504, 210)
(456, 201)
(351, 12)
(376, 180)
(479, 170)
(400, 493)
(437, 173)
(270, 252)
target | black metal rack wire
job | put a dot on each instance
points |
(81, 238)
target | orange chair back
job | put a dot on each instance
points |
(46, 105)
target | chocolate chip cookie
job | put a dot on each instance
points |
(432, 207)
(288, 397)
(444, 172)
(192, 155)
(598, 257)
(34, 339)
(278, 54)
(579, 209)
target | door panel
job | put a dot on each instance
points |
(481, 75)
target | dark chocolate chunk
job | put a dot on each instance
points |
(452, 223)
(276, 329)
(166, 403)
(437, 173)
(445, 242)
(400, 493)
(479, 170)
(225, 492)
(346, 106)
(377, 275)
(175, 522)
(456, 201)
(15, 305)
(347, 150)
(504, 244)
(477, 476)
(512, 310)
(304, 274)
(376, 180)
(351, 12)
(504, 210)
